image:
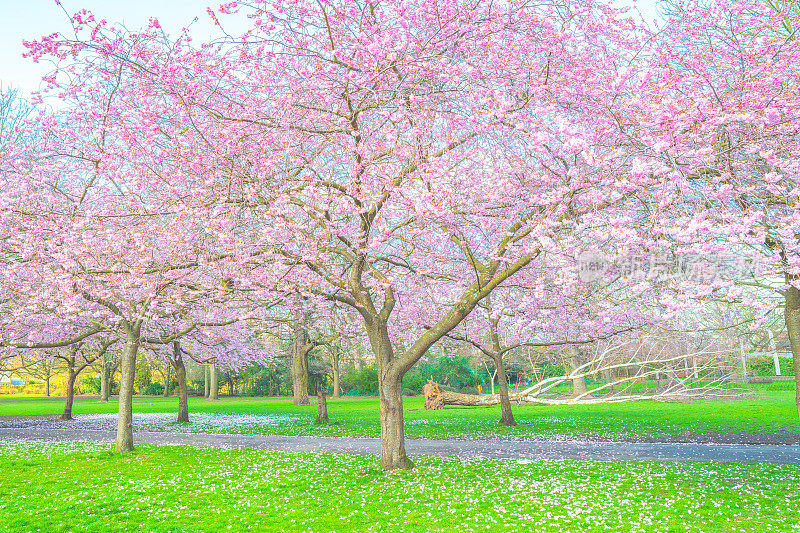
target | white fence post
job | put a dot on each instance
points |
(775, 358)
(744, 360)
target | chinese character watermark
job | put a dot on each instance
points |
(596, 266)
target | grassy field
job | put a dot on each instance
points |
(86, 487)
(773, 412)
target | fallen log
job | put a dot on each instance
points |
(436, 398)
(456, 398)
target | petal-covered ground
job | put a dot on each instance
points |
(198, 423)
(86, 487)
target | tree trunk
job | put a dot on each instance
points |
(125, 418)
(183, 392)
(357, 360)
(104, 381)
(608, 377)
(390, 398)
(300, 349)
(393, 447)
(67, 414)
(167, 381)
(579, 382)
(433, 396)
(206, 381)
(335, 365)
(672, 379)
(300, 378)
(47, 386)
(322, 408)
(213, 393)
(180, 376)
(791, 315)
(507, 416)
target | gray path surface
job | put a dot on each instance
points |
(530, 449)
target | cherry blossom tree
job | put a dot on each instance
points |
(384, 157)
(716, 128)
(93, 234)
(415, 152)
(404, 159)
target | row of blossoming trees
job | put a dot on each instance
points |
(411, 161)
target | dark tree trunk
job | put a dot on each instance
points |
(167, 381)
(104, 380)
(183, 393)
(206, 381)
(67, 414)
(322, 408)
(335, 365)
(47, 386)
(180, 376)
(792, 318)
(125, 418)
(105, 370)
(507, 416)
(213, 386)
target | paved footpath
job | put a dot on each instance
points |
(521, 449)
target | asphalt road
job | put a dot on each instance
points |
(520, 449)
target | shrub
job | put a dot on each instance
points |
(450, 370)
(196, 387)
(551, 371)
(362, 382)
(413, 381)
(317, 381)
(142, 377)
(154, 389)
(90, 385)
(764, 366)
(272, 380)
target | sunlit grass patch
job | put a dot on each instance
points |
(78, 486)
(774, 412)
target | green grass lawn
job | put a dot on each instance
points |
(774, 411)
(86, 487)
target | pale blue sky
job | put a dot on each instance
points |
(29, 19)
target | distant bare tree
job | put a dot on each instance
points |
(15, 111)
